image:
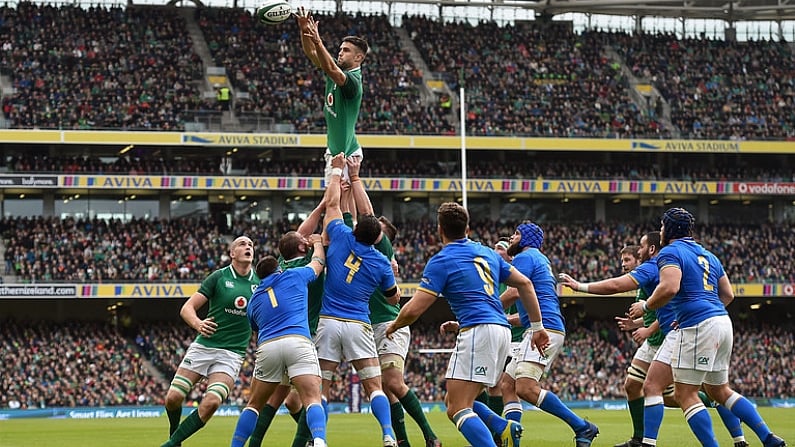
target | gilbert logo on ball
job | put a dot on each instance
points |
(273, 12)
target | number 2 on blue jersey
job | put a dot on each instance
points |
(702, 261)
(485, 274)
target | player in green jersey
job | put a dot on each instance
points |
(219, 349)
(392, 352)
(295, 250)
(343, 97)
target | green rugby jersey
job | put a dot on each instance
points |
(315, 288)
(380, 310)
(517, 332)
(341, 109)
(649, 317)
(228, 294)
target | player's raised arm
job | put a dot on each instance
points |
(332, 196)
(303, 15)
(309, 225)
(323, 58)
(360, 196)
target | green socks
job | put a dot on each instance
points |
(495, 403)
(189, 426)
(173, 419)
(302, 433)
(399, 424)
(263, 422)
(413, 407)
(636, 413)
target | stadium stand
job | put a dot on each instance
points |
(717, 89)
(186, 250)
(553, 82)
(97, 68)
(100, 367)
(481, 164)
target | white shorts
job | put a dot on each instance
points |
(398, 344)
(702, 353)
(205, 361)
(666, 349)
(479, 354)
(646, 352)
(327, 172)
(338, 340)
(293, 354)
(529, 354)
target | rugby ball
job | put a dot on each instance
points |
(273, 12)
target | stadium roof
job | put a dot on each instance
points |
(731, 11)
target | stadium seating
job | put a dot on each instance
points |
(186, 250)
(552, 82)
(87, 363)
(481, 164)
(97, 68)
(717, 89)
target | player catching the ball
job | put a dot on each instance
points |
(343, 97)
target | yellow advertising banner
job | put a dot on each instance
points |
(400, 142)
(184, 290)
(236, 183)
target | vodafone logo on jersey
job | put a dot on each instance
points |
(330, 99)
(241, 302)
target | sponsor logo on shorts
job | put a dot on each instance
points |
(481, 370)
(703, 360)
(187, 361)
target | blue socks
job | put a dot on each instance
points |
(316, 420)
(472, 427)
(493, 421)
(551, 403)
(380, 406)
(699, 421)
(744, 409)
(245, 425)
(652, 418)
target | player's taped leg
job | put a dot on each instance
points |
(394, 361)
(181, 385)
(369, 372)
(636, 373)
(218, 389)
(529, 370)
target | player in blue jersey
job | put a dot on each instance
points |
(693, 281)
(278, 313)
(522, 376)
(468, 275)
(295, 250)
(354, 270)
(649, 382)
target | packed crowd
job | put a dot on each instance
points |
(134, 68)
(480, 164)
(91, 364)
(72, 364)
(717, 89)
(268, 64)
(53, 249)
(534, 81)
(97, 68)
(186, 250)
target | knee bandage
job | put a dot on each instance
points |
(393, 361)
(219, 389)
(181, 385)
(369, 372)
(669, 391)
(637, 374)
(529, 370)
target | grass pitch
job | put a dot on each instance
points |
(361, 430)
